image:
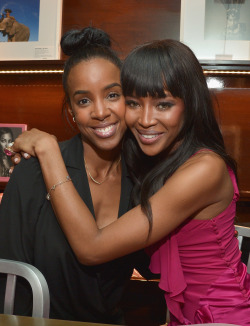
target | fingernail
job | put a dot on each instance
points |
(16, 159)
(26, 155)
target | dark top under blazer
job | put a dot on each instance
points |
(30, 232)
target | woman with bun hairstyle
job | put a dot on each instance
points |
(29, 230)
(185, 190)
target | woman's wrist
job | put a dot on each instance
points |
(46, 146)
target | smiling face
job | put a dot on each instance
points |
(155, 122)
(97, 102)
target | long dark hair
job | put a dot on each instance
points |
(3, 156)
(83, 45)
(3, 131)
(150, 70)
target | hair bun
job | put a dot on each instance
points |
(75, 40)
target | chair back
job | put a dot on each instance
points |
(243, 231)
(40, 290)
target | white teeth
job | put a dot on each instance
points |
(149, 136)
(105, 130)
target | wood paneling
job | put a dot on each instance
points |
(129, 22)
(36, 100)
(233, 110)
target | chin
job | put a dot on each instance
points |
(109, 145)
(150, 151)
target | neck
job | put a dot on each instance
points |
(100, 165)
(99, 160)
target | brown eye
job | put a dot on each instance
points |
(83, 101)
(131, 103)
(113, 96)
(162, 106)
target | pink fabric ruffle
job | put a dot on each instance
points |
(172, 279)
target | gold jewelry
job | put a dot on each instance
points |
(48, 196)
(106, 176)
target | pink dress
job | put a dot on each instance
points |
(201, 271)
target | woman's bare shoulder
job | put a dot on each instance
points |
(203, 175)
(205, 161)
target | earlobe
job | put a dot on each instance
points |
(72, 114)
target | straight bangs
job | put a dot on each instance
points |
(142, 78)
(147, 71)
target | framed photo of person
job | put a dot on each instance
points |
(30, 30)
(8, 133)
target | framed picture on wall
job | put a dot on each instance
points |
(8, 133)
(217, 30)
(30, 30)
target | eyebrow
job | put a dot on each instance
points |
(112, 85)
(105, 88)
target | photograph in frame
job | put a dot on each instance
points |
(8, 133)
(216, 29)
(30, 30)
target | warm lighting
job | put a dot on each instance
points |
(60, 71)
(214, 83)
(226, 72)
(31, 71)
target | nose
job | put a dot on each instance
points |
(146, 118)
(101, 110)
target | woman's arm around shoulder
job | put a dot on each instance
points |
(198, 185)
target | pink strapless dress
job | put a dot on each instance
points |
(201, 271)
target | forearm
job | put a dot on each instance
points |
(73, 215)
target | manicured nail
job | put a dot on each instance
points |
(16, 159)
(26, 155)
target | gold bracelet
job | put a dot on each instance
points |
(48, 196)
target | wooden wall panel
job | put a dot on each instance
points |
(35, 100)
(233, 110)
(129, 22)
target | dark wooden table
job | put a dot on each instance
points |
(11, 320)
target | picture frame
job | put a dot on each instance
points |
(40, 21)
(217, 38)
(8, 133)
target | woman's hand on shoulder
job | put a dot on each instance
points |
(30, 143)
(33, 142)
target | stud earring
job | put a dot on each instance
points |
(74, 119)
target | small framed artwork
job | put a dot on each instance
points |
(218, 31)
(30, 30)
(8, 133)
